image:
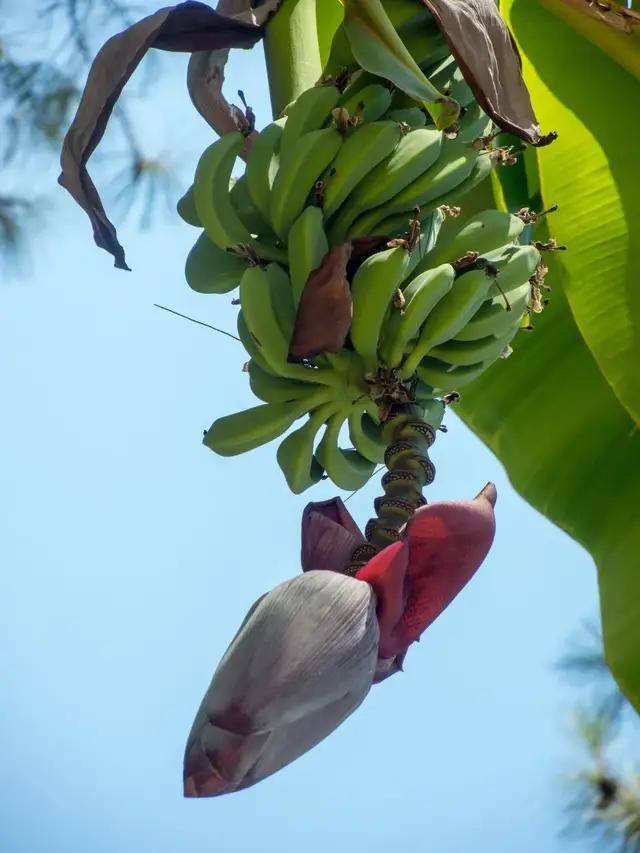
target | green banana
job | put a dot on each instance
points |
(297, 175)
(297, 372)
(274, 389)
(493, 318)
(397, 223)
(358, 80)
(243, 431)
(347, 468)
(262, 165)
(416, 152)
(213, 202)
(210, 269)
(443, 379)
(366, 435)
(514, 269)
(248, 213)
(262, 300)
(307, 247)
(379, 49)
(454, 165)
(186, 208)
(473, 124)
(308, 112)
(448, 78)
(411, 116)
(449, 316)
(468, 353)
(295, 453)
(421, 295)
(360, 153)
(372, 289)
(483, 232)
(251, 345)
(368, 103)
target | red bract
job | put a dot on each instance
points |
(416, 578)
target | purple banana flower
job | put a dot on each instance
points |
(307, 653)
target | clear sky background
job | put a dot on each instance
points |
(130, 553)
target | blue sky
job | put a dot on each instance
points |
(131, 553)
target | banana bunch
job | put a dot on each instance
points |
(351, 157)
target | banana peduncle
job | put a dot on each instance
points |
(409, 470)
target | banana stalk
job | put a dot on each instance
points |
(409, 434)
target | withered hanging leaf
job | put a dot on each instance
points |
(325, 309)
(205, 76)
(186, 27)
(490, 62)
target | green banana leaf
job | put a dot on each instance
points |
(550, 413)
(592, 173)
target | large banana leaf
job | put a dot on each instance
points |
(592, 173)
(570, 446)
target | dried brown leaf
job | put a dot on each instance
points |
(325, 309)
(186, 27)
(490, 62)
(205, 76)
(362, 248)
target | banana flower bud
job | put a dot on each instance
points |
(307, 653)
(302, 661)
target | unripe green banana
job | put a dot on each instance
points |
(307, 247)
(249, 214)
(421, 295)
(213, 202)
(415, 153)
(359, 79)
(297, 372)
(274, 389)
(243, 431)
(261, 299)
(467, 353)
(295, 453)
(450, 315)
(210, 269)
(453, 166)
(448, 78)
(473, 124)
(396, 224)
(514, 268)
(262, 165)
(360, 153)
(372, 290)
(493, 317)
(378, 48)
(443, 379)
(308, 112)
(298, 174)
(347, 468)
(483, 232)
(411, 116)
(368, 103)
(366, 435)
(186, 208)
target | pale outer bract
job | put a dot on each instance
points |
(303, 660)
